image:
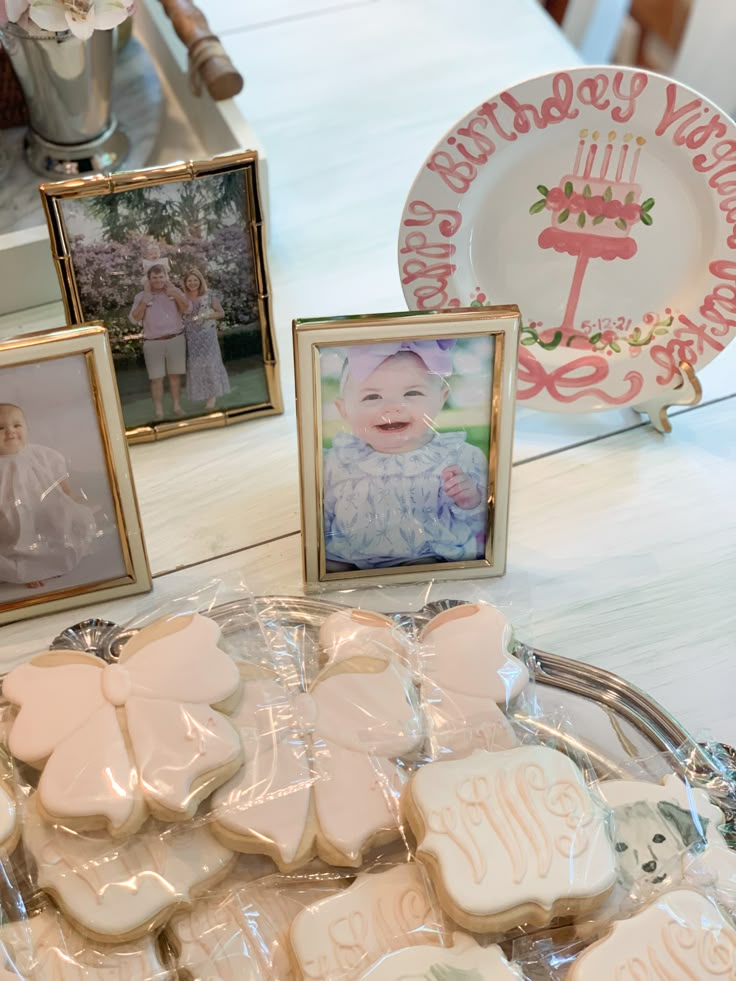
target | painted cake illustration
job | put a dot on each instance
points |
(594, 209)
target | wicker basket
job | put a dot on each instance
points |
(13, 110)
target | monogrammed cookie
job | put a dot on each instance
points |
(681, 935)
(341, 936)
(510, 838)
(115, 891)
(116, 742)
(240, 932)
(668, 834)
(220, 937)
(320, 777)
(464, 961)
(47, 948)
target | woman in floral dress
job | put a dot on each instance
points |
(206, 375)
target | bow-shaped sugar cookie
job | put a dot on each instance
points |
(320, 764)
(119, 740)
(468, 671)
(463, 661)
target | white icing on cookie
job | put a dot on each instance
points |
(240, 933)
(8, 817)
(341, 936)
(361, 633)
(220, 938)
(465, 959)
(511, 828)
(46, 948)
(462, 664)
(668, 833)
(116, 888)
(73, 709)
(325, 754)
(682, 935)
(465, 656)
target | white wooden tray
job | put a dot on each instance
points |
(192, 128)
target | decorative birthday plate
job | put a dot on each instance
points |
(603, 202)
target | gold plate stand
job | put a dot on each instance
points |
(688, 392)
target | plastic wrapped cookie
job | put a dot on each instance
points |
(339, 937)
(220, 937)
(682, 934)
(468, 674)
(9, 823)
(116, 891)
(321, 776)
(465, 959)
(362, 633)
(240, 932)
(463, 662)
(468, 650)
(47, 948)
(510, 838)
(117, 742)
(668, 834)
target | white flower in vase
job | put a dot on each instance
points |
(81, 17)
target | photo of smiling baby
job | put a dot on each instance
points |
(406, 435)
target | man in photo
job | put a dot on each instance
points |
(160, 308)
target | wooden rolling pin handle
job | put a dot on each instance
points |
(209, 61)
(207, 58)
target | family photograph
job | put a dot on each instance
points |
(169, 269)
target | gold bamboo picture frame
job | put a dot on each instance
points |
(173, 261)
(70, 528)
(405, 426)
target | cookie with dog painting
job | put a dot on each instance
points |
(668, 834)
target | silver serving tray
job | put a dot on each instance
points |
(604, 722)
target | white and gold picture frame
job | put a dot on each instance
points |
(173, 260)
(70, 530)
(405, 436)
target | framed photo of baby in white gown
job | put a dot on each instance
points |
(405, 437)
(69, 523)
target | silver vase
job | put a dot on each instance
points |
(67, 83)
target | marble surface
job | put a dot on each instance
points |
(622, 544)
(138, 106)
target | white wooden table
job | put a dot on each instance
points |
(622, 543)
